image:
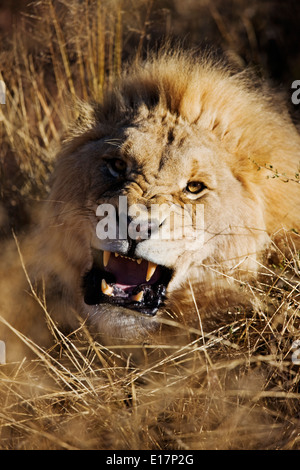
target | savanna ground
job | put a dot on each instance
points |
(234, 388)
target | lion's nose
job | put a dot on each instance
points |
(142, 230)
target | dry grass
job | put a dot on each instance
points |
(233, 388)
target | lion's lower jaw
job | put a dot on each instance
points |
(118, 326)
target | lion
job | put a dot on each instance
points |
(168, 192)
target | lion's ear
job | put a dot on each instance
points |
(83, 118)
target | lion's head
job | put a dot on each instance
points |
(163, 186)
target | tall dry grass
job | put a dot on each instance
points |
(234, 387)
(57, 52)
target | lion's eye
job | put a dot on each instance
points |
(117, 167)
(195, 187)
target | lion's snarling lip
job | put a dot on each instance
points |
(136, 284)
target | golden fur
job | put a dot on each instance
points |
(173, 119)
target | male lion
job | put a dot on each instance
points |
(177, 133)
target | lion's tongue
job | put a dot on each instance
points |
(129, 273)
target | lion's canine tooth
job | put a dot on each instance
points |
(139, 261)
(106, 256)
(138, 297)
(116, 254)
(151, 270)
(106, 289)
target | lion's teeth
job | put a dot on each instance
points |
(106, 289)
(138, 297)
(122, 256)
(106, 256)
(151, 270)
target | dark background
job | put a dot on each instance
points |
(262, 33)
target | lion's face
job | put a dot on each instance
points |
(146, 210)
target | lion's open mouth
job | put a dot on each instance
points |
(136, 284)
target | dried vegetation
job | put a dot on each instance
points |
(236, 387)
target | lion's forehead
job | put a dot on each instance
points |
(159, 142)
